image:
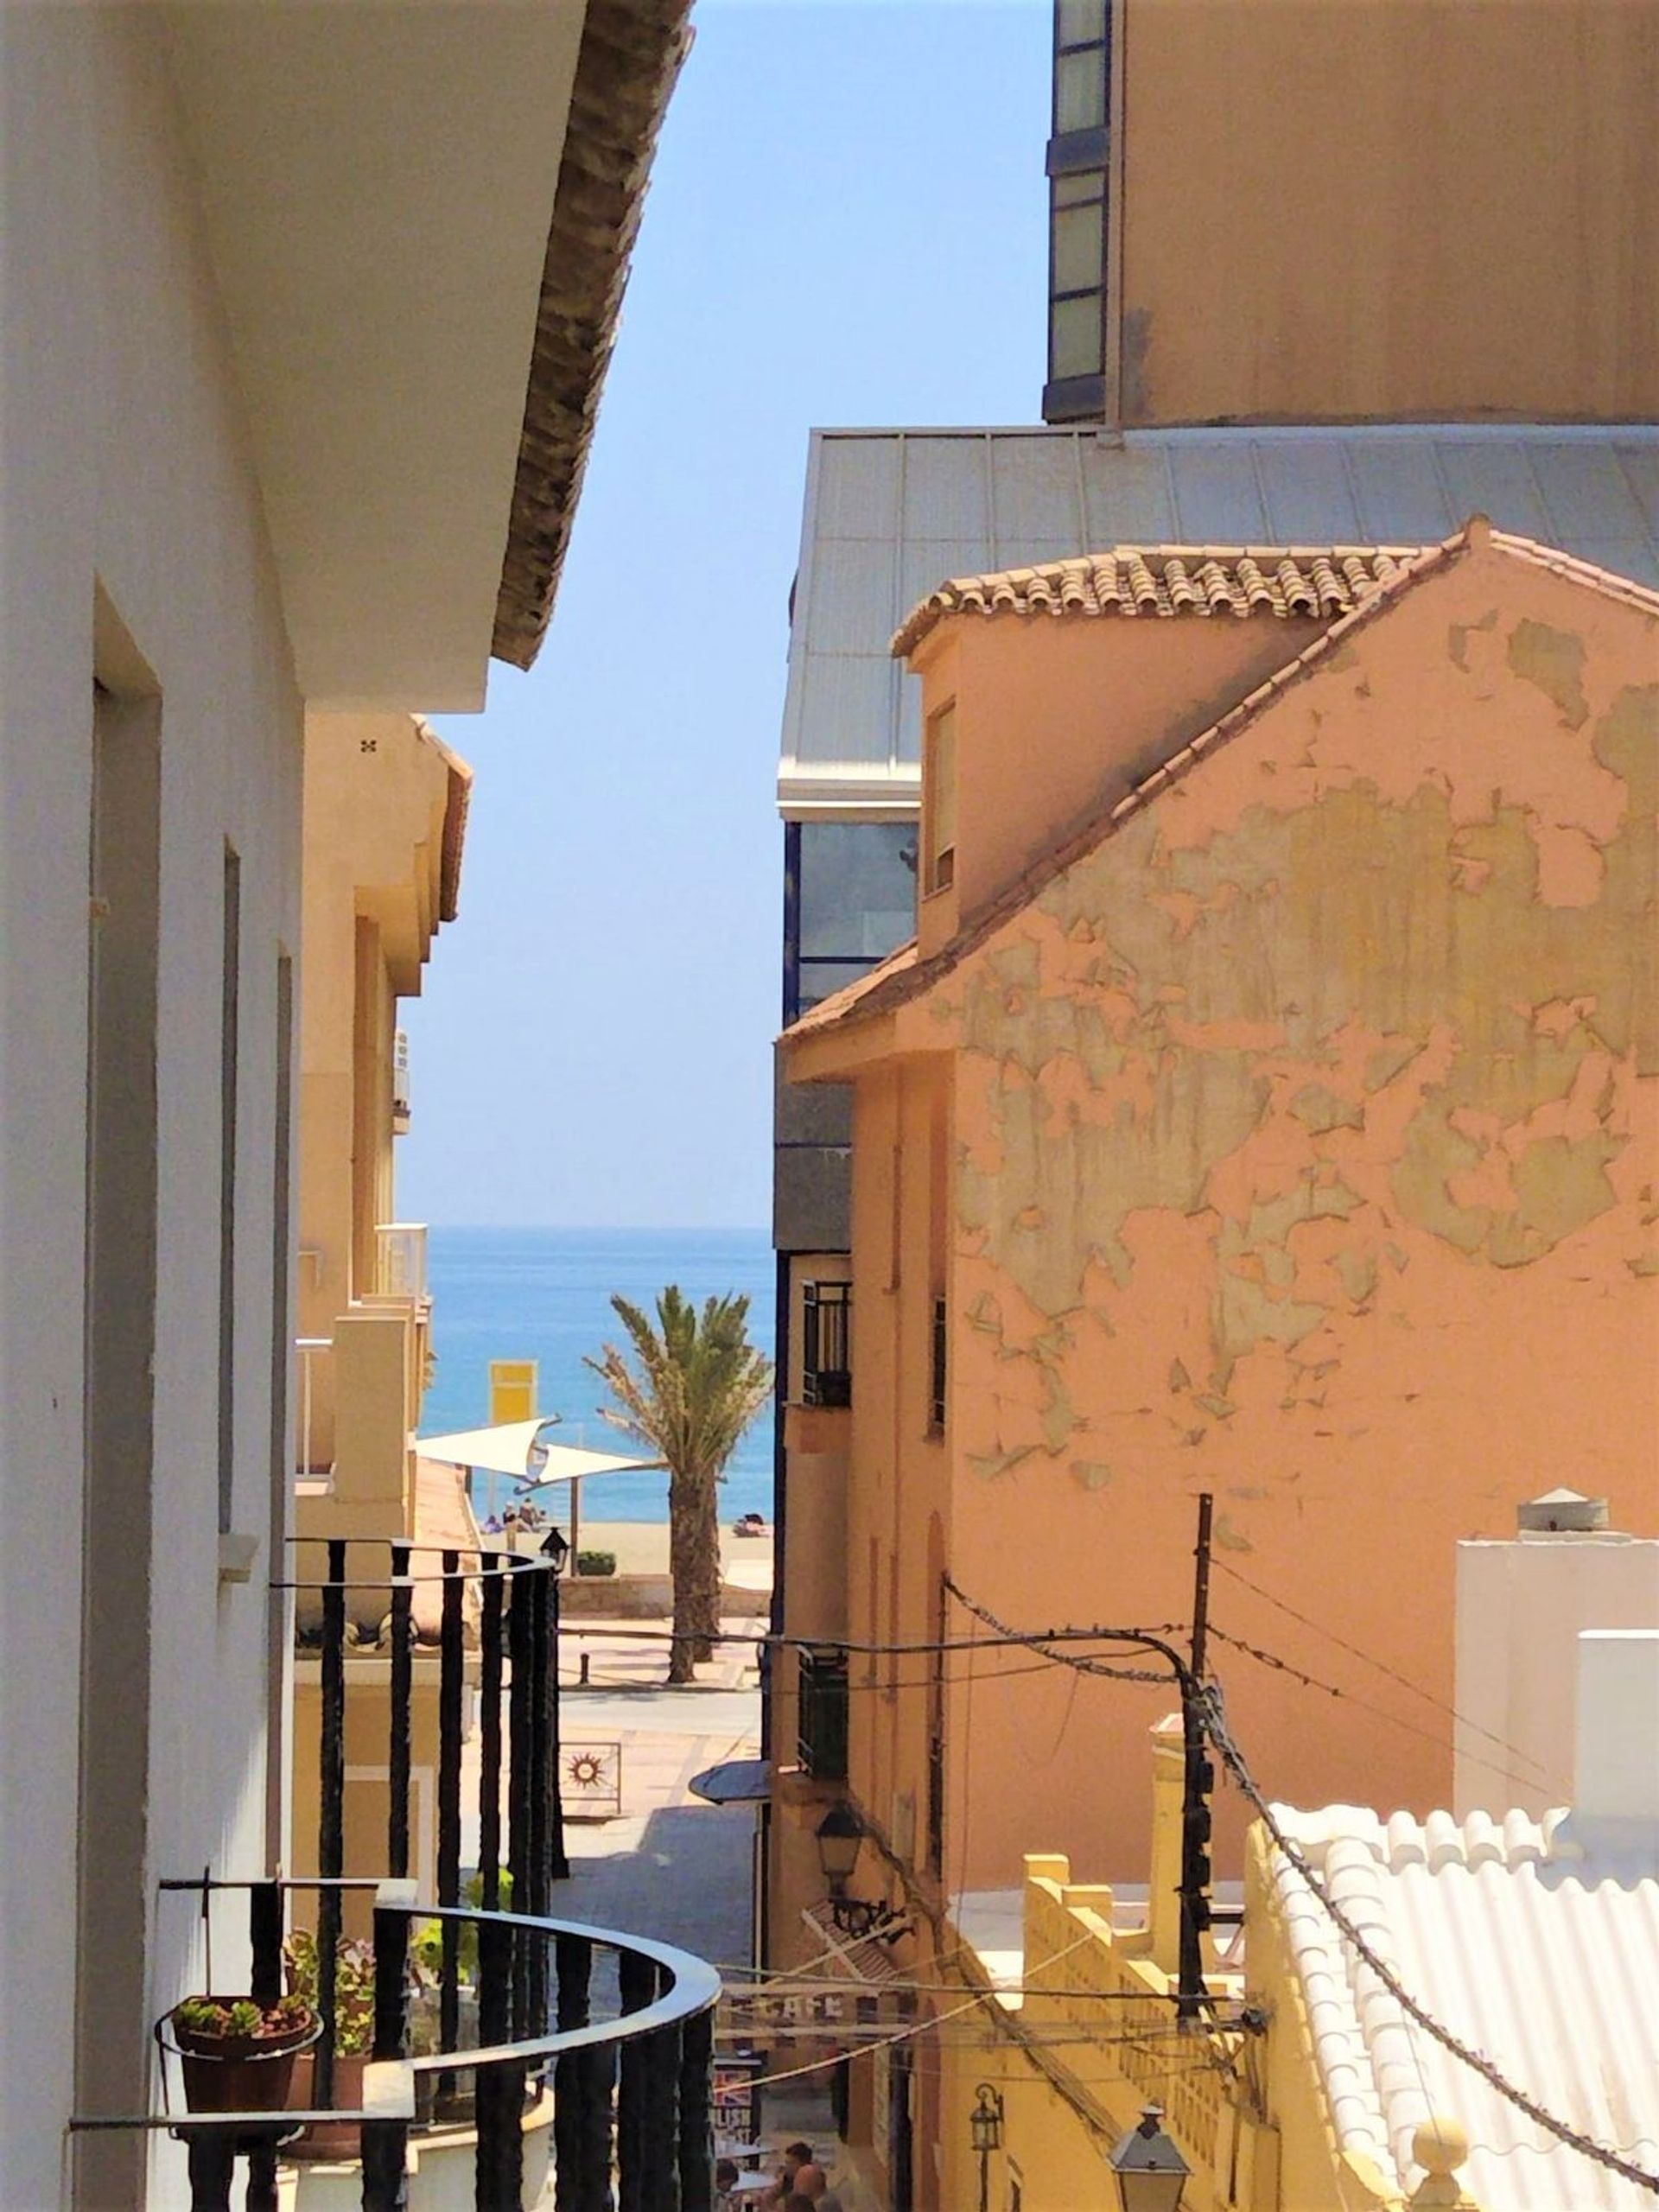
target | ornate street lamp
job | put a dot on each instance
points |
(985, 2124)
(1150, 2171)
(839, 1834)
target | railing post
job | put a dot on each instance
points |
(518, 1658)
(662, 2120)
(697, 2147)
(385, 2142)
(558, 1864)
(211, 2163)
(596, 2102)
(637, 1987)
(398, 1755)
(573, 1957)
(539, 1892)
(265, 1987)
(499, 2161)
(451, 1669)
(331, 1814)
(489, 1732)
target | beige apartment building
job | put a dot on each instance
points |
(307, 312)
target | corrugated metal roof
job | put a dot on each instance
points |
(1541, 1955)
(890, 514)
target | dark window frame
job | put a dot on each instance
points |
(826, 1344)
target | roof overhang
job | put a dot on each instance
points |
(383, 189)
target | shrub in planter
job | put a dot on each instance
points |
(595, 1563)
(353, 2034)
(238, 2055)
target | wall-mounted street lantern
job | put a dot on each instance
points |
(839, 1834)
(985, 2124)
(1149, 2171)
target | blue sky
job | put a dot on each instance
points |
(846, 225)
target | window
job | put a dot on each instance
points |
(939, 800)
(826, 1344)
(936, 1402)
(822, 1718)
(1077, 151)
(851, 899)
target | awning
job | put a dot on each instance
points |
(518, 1448)
(733, 1781)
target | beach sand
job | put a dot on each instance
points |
(641, 1548)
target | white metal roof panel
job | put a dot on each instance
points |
(890, 514)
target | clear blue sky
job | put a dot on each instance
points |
(846, 225)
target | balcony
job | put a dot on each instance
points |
(400, 1260)
(506, 2043)
(827, 1344)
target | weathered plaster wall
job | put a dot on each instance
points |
(1498, 248)
(1056, 717)
(1306, 1137)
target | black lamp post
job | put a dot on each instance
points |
(1149, 2171)
(839, 1834)
(985, 2124)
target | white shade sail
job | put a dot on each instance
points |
(517, 1448)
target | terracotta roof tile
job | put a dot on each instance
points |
(1317, 583)
(904, 976)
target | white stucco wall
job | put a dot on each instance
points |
(122, 461)
(1521, 1606)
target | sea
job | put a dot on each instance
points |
(545, 1294)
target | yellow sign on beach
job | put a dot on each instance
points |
(512, 1390)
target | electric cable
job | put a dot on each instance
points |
(1393, 1673)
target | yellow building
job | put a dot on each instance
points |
(385, 814)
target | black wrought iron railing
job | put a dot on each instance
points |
(823, 1702)
(625, 2057)
(827, 1344)
(480, 1996)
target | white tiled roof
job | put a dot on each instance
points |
(1541, 1956)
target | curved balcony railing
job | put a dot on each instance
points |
(627, 2065)
(615, 2031)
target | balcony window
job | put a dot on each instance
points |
(826, 1344)
(822, 1725)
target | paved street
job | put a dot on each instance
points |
(668, 1866)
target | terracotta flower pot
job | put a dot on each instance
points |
(241, 2073)
(330, 2139)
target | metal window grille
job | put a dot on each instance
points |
(826, 1344)
(823, 1747)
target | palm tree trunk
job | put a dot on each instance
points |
(703, 1566)
(681, 1516)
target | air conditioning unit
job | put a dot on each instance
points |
(399, 1083)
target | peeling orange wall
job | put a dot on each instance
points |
(1306, 1142)
(1057, 715)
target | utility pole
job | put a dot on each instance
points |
(1198, 1780)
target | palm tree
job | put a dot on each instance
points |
(694, 1385)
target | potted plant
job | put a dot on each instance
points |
(238, 2055)
(353, 2036)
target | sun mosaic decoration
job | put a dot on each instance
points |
(593, 1780)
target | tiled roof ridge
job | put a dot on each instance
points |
(1440, 1840)
(1313, 582)
(909, 980)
